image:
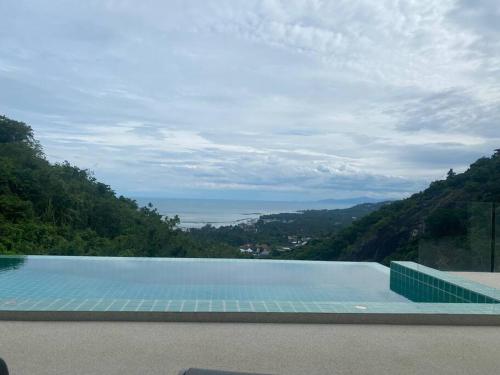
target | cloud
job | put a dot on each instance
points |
(302, 99)
(456, 115)
(481, 16)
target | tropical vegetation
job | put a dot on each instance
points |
(61, 209)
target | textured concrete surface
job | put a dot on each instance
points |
(485, 278)
(68, 348)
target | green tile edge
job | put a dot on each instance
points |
(419, 283)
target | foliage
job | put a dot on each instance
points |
(452, 211)
(62, 209)
(276, 229)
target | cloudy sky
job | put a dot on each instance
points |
(256, 99)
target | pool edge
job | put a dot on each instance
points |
(248, 317)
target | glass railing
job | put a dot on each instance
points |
(463, 240)
(462, 236)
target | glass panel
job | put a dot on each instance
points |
(458, 237)
(480, 236)
(496, 256)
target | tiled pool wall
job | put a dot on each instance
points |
(423, 284)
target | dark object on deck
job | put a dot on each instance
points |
(200, 371)
(3, 368)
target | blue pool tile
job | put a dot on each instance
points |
(24, 289)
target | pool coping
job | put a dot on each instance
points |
(331, 313)
(252, 317)
(172, 259)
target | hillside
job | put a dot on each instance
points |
(60, 209)
(285, 229)
(440, 215)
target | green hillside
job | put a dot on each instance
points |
(60, 209)
(280, 230)
(441, 216)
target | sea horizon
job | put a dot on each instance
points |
(198, 212)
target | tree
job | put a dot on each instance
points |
(61, 209)
(15, 131)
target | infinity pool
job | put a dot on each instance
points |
(96, 283)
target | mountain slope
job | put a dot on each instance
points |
(61, 209)
(395, 231)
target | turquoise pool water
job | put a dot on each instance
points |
(96, 283)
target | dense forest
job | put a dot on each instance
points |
(60, 209)
(448, 225)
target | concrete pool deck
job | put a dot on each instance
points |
(491, 279)
(81, 348)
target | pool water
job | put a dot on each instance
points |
(173, 283)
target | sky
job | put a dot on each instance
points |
(247, 99)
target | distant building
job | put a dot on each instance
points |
(246, 248)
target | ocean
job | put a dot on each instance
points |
(195, 213)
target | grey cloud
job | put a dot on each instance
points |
(299, 98)
(480, 15)
(481, 18)
(147, 131)
(452, 111)
(440, 156)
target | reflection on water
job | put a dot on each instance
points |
(11, 262)
(193, 279)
